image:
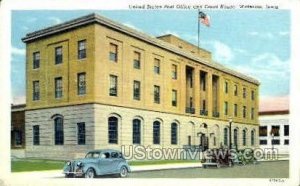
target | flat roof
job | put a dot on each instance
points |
(97, 19)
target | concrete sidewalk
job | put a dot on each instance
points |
(165, 166)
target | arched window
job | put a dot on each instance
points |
(156, 132)
(244, 137)
(58, 131)
(113, 130)
(235, 137)
(174, 135)
(225, 136)
(136, 131)
(252, 137)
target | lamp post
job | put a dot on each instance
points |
(230, 122)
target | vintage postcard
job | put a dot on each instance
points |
(144, 92)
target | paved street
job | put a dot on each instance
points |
(279, 169)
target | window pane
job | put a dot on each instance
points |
(58, 55)
(58, 87)
(156, 94)
(174, 134)
(113, 130)
(113, 89)
(136, 60)
(82, 49)
(136, 131)
(81, 133)
(174, 72)
(156, 66)
(81, 86)
(136, 90)
(156, 132)
(36, 135)
(263, 131)
(174, 98)
(59, 131)
(36, 60)
(36, 90)
(113, 52)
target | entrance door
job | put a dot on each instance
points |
(204, 142)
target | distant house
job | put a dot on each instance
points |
(18, 126)
(274, 127)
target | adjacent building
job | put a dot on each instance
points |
(93, 83)
(274, 130)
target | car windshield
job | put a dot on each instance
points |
(92, 155)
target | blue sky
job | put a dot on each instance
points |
(254, 42)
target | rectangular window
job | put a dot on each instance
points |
(174, 134)
(244, 92)
(156, 66)
(286, 142)
(252, 113)
(275, 142)
(113, 52)
(36, 60)
(137, 60)
(156, 133)
(156, 94)
(136, 90)
(174, 71)
(235, 90)
(235, 110)
(113, 86)
(82, 49)
(81, 133)
(136, 131)
(58, 87)
(36, 134)
(81, 84)
(263, 142)
(174, 98)
(286, 130)
(252, 95)
(36, 90)
(244, 111)
(203, 80)
(226, 87)
(275, 130)
(263, 131)
(58, 55)
(226, 108)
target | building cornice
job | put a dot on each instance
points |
(274, 112)
(95, 18)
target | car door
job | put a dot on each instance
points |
(115, 162)
(105, 163)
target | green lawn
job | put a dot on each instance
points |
(36, 165)
(22, 165)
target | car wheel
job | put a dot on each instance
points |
(90, 173)
(123, 172)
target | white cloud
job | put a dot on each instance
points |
(266, 66)
(55, 20)
(262, 35)
(130, 25)
(19, 100)
(222, 52)
(18, 51)
(171, 32)
(284, 33)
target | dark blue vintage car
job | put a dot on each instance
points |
(96, 163)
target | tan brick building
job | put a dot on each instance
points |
(93, 83)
